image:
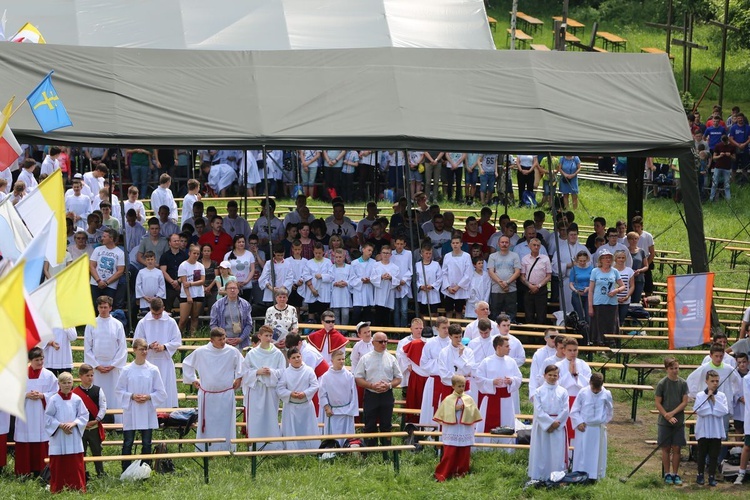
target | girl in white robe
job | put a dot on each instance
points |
(297, 385)
(58, 356)
(163, 337)
(384, 289)
(591, 412)
(220, 369)
(105, 348)
(140, 391)
(362, 289)
(549, 452)
(65, 419)
(341, 295)
(31, 437)
(260, 376)
(283, 276)
(338, 398)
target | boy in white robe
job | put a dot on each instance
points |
(58, 356)
(385, 278)
(456, 279)
(409, 355)
(538, 361)
(220, 370)
(149, 284)
(318, 276)
(140, 391)
(479, 289)
(297, 385)
(482, 345)
(497, 377)
(591, 412)
(429, 363)
(548, 434)
(282, 275)
(402, 293)
(32, 440)
(712, 408)
(338, 397)
(341, 295)
(105, 348)
(163, 337)
(260, 375)
(455, 359)
(363, 293)
(429, 277)
(65, 419)
(457, 416)
(574, 375)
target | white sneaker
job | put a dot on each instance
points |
(740, 478)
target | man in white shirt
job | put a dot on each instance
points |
(51, 162)
(645, 242)
(78, 205)
(106, 266)
(163, 196)
(95, 179)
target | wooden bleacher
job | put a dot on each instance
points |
(572, 25)
(492, 22)
(540, 47)
(530, 23)
(521, 37)
(654, 50)
(611, 41)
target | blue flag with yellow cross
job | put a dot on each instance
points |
(47, 107)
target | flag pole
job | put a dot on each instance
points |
(19, 107)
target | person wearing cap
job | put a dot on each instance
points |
(327, 339)
(604, 286)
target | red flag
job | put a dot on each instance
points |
(32, 333)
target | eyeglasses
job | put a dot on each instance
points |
(329, 321)
(380, 341)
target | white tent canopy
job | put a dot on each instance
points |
(257, 24)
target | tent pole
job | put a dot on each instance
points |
(636, 167)
(268, 219)
(504, 186)
(557, 236)
(244, 181)
(128, 297)
(412, 229)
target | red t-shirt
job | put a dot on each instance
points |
(220, 245)
(479, 238)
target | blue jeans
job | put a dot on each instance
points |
(720, 175)
(139, 175)
(127, 444)
(487, 183)
(401, 311)
(581, 307)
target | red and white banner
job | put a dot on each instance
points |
(689, 300)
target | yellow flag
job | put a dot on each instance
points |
(7, 110)
(12, 342)
(65, 300)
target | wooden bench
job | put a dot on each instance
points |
(530, 22)
(736, 252)
(493, 24)
(540, 47)
(674, 263)
(256, 453)
(654, 50)
(612, 41)
(643, 370)
(571, 25)
(521, 37)
(571, 38)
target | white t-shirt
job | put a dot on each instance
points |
(107, 261)
(193, 272)
(241, 267)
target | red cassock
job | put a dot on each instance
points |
(319, 372)
(415, 389)
(67, 471)
(454, 462)
(493, 418)
(3, 450)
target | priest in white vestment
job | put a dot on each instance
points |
(219, 374)
(163, 337)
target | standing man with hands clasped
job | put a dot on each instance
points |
(378, 373)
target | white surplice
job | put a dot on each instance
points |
(283, 275)
(489, 369)
(217, 409)
(60, 411)
(338, 389)
(362, 293)
(166, 332)
(105, 345)
(384, 292)
(450, 363)
(322, 285)
(298, 415)
(404, 362)
(595, 410)
(428, 274)
(457, 270)
(548, 449)
(140, 379)
(536, 374)
(429, 364)
(574, 384)
(33, 429)
(405, 271)
(62, 357)
(341, 296)
(261, 400)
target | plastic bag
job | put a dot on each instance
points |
(136, 471)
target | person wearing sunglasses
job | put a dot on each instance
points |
(327, 339)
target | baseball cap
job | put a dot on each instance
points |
(361, 324)
(225, 264)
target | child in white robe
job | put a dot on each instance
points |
(574, 376)
(591, 412)
(712, 407)
(140, 391)
(479, 288)
(385, 278)
(363, 293)
(548, 434)
(297, 265)
(297, 385)
(282, 275)
(457, 416)
(341, 295)
(338, 397)
(65, 419)
(456, 278)
(429, 363)
(260, 375)
(429, 278)
(58, 356)
(318, 276)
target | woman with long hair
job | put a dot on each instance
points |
(243, 265)
(192, 276)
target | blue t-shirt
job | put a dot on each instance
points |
(740, 134)
(580, 276)
(603, 284)
(714, 135)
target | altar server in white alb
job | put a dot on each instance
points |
(548, 434)
(58, 356)
(338, 397)
(591, 412)
(32, 440)
(163, 337)
(455, 359)
(536, 374)
(297, 385)
(362, 290)
(220, 370)
(574, 376)
(318, 277)
(105, 348)
(497, 377)
(456, 279)
(140, 391)
(385, 278)
(65, 420)
(430, 353)
(261, 370)
(429, 277)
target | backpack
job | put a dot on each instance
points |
(163, 465)
(412, 439)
